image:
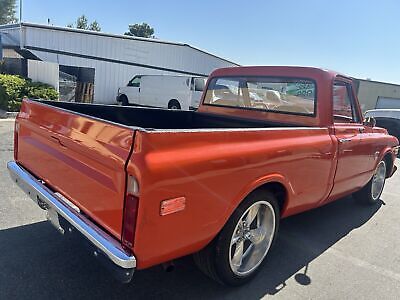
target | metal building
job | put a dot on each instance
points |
(106, 61)
(376, 94)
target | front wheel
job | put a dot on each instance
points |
(236, 254)
(174, 104)
(372, 191)
(123, 100)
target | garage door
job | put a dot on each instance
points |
(388, 102)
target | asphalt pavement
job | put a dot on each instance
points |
(341, 251)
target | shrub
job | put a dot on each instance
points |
(3, 99)
(13, 85)
(13, 88)
(38, 90)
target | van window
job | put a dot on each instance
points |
(135, 81)
(199, 84)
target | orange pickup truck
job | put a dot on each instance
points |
(145, 186)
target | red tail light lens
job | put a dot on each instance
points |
(130, 213)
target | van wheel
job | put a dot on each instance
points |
(123, 100)
(174, 104)
(372, 191)
(235, 256)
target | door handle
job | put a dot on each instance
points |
(345, 140)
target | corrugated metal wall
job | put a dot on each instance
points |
(44, 72)
(369, 91)
(115, 59)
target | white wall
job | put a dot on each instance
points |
(108, 76)
(44, 72)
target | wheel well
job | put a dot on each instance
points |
(277, 189)
(173, 101)
(389, 162)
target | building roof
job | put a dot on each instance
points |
(118, 36)
(377, 82)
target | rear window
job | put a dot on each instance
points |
(276, 94)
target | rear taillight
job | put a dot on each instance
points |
(130, 212)
(16, 131)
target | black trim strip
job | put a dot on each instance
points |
(115, 61)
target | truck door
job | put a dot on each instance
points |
(352, 169)
(133, 90)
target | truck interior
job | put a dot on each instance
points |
(155, 118)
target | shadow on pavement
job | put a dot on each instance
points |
(36, 261)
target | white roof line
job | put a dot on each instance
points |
(149, 40)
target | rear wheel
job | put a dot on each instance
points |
(236, 254)
(123, 100)
(372, 191)
(174, 104)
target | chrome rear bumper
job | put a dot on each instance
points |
(102, 241)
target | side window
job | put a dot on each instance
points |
(344, 109)
(199, 84)
(135, 82)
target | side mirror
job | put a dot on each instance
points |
(369, 121)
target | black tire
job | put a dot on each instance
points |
(367, 195)
(123, 100)
(214, 260)
(174, 104)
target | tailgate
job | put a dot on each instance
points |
(80, 157)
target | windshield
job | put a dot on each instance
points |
(288, 95)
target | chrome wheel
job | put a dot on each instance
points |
(378, 181)
(252, 238)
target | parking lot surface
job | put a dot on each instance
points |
(342, 250)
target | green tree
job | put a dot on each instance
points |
(141, 30)
(7, 11)
(83, 23)
(94, 26)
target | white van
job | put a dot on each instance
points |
(173, 92)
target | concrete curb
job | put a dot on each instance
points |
(7, 114)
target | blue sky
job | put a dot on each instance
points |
(358, 38)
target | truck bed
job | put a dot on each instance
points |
(156, 118)
(84, 153)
